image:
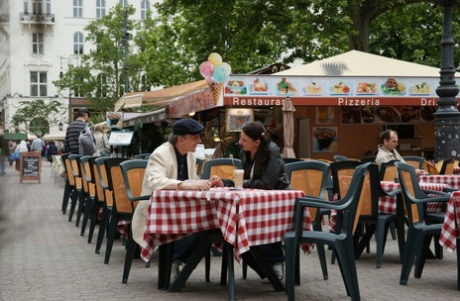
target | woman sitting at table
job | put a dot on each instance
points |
(263, 169)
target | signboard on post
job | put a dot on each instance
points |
(30, 164)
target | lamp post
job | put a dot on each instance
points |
(447, 117)
(124, 41)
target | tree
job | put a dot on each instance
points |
(38, 112)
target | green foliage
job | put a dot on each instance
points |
(36, 111)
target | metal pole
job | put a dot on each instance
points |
(447, 117)
(125, 44)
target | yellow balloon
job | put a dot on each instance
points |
(215, 59)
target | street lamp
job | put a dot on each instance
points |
(447, 117)
(124, 41)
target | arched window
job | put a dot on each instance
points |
(123, 3)
(78, 43)
(39, 126)
(145, 6)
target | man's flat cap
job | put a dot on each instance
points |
(187, 126)
(83, 111)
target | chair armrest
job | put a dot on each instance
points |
(438, 199)
(303, 202)
(440, 193)
(450, 189)
(138, 198)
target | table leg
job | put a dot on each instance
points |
(164, 265)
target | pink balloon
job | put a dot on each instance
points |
(206, 69)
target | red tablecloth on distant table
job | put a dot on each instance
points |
(450, 230)
(247, 217)
(388, 204)
(452, 181)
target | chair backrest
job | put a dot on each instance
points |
(349, 205)
(68, 169)
(447, 167)
(133, 172)
(290, 160)
(430, 168)
(388, 170)
(88, 174)
(222, 167)
(342, 173)
(311, 177)
(340, 158)
(372, 192)
(199, 166)
(100, 176)
(411, 191)
(415, 161)
(142, 156)
(116, 184)
(76, 170)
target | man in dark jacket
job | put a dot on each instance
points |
(73, 131)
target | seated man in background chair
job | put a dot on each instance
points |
(172, 166)
(387, 149)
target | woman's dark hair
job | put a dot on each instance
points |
(256, 131)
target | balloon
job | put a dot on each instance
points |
(227, 68)
(206, 69)
(219, 75)
(215, 59)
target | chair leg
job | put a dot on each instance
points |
(207, 261)
(86, 214)
(74, 198)
(113, 223)
(66, 196)
(81, 207)
(93, 219)
(290, 248)
(130, 249)
(102, 227)
(380, 242)
(458, 265)
(393, 230)
(322, 260)
(421, 256)
(410, 251)
(345, 257)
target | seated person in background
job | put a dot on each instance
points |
(387, 149)
(172, 166)
(263, 169)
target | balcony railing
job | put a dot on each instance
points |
(37, 18)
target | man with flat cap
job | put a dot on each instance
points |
(172, 166)
(71, 144)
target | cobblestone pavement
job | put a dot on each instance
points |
(45, 258)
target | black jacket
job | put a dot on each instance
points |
(271, 176)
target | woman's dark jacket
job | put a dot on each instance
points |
(271, 176)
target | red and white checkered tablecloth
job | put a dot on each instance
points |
(247, 217)
(387, 204)
(451, 230)
(452, 181)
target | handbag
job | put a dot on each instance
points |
(15, 156)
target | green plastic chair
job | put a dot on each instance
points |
(420, 230)
(312, 177)
(341, 241)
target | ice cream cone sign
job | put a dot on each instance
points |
(215, 72)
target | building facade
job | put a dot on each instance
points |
(39, 40)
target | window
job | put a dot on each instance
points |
(123, 3)
(100, 8)
(48, 7)
(37, 43)
(38, 83)
(37, 7)
(26, 6)
(78, 43)
(145, 5)
(39, 126)
(78, 8)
